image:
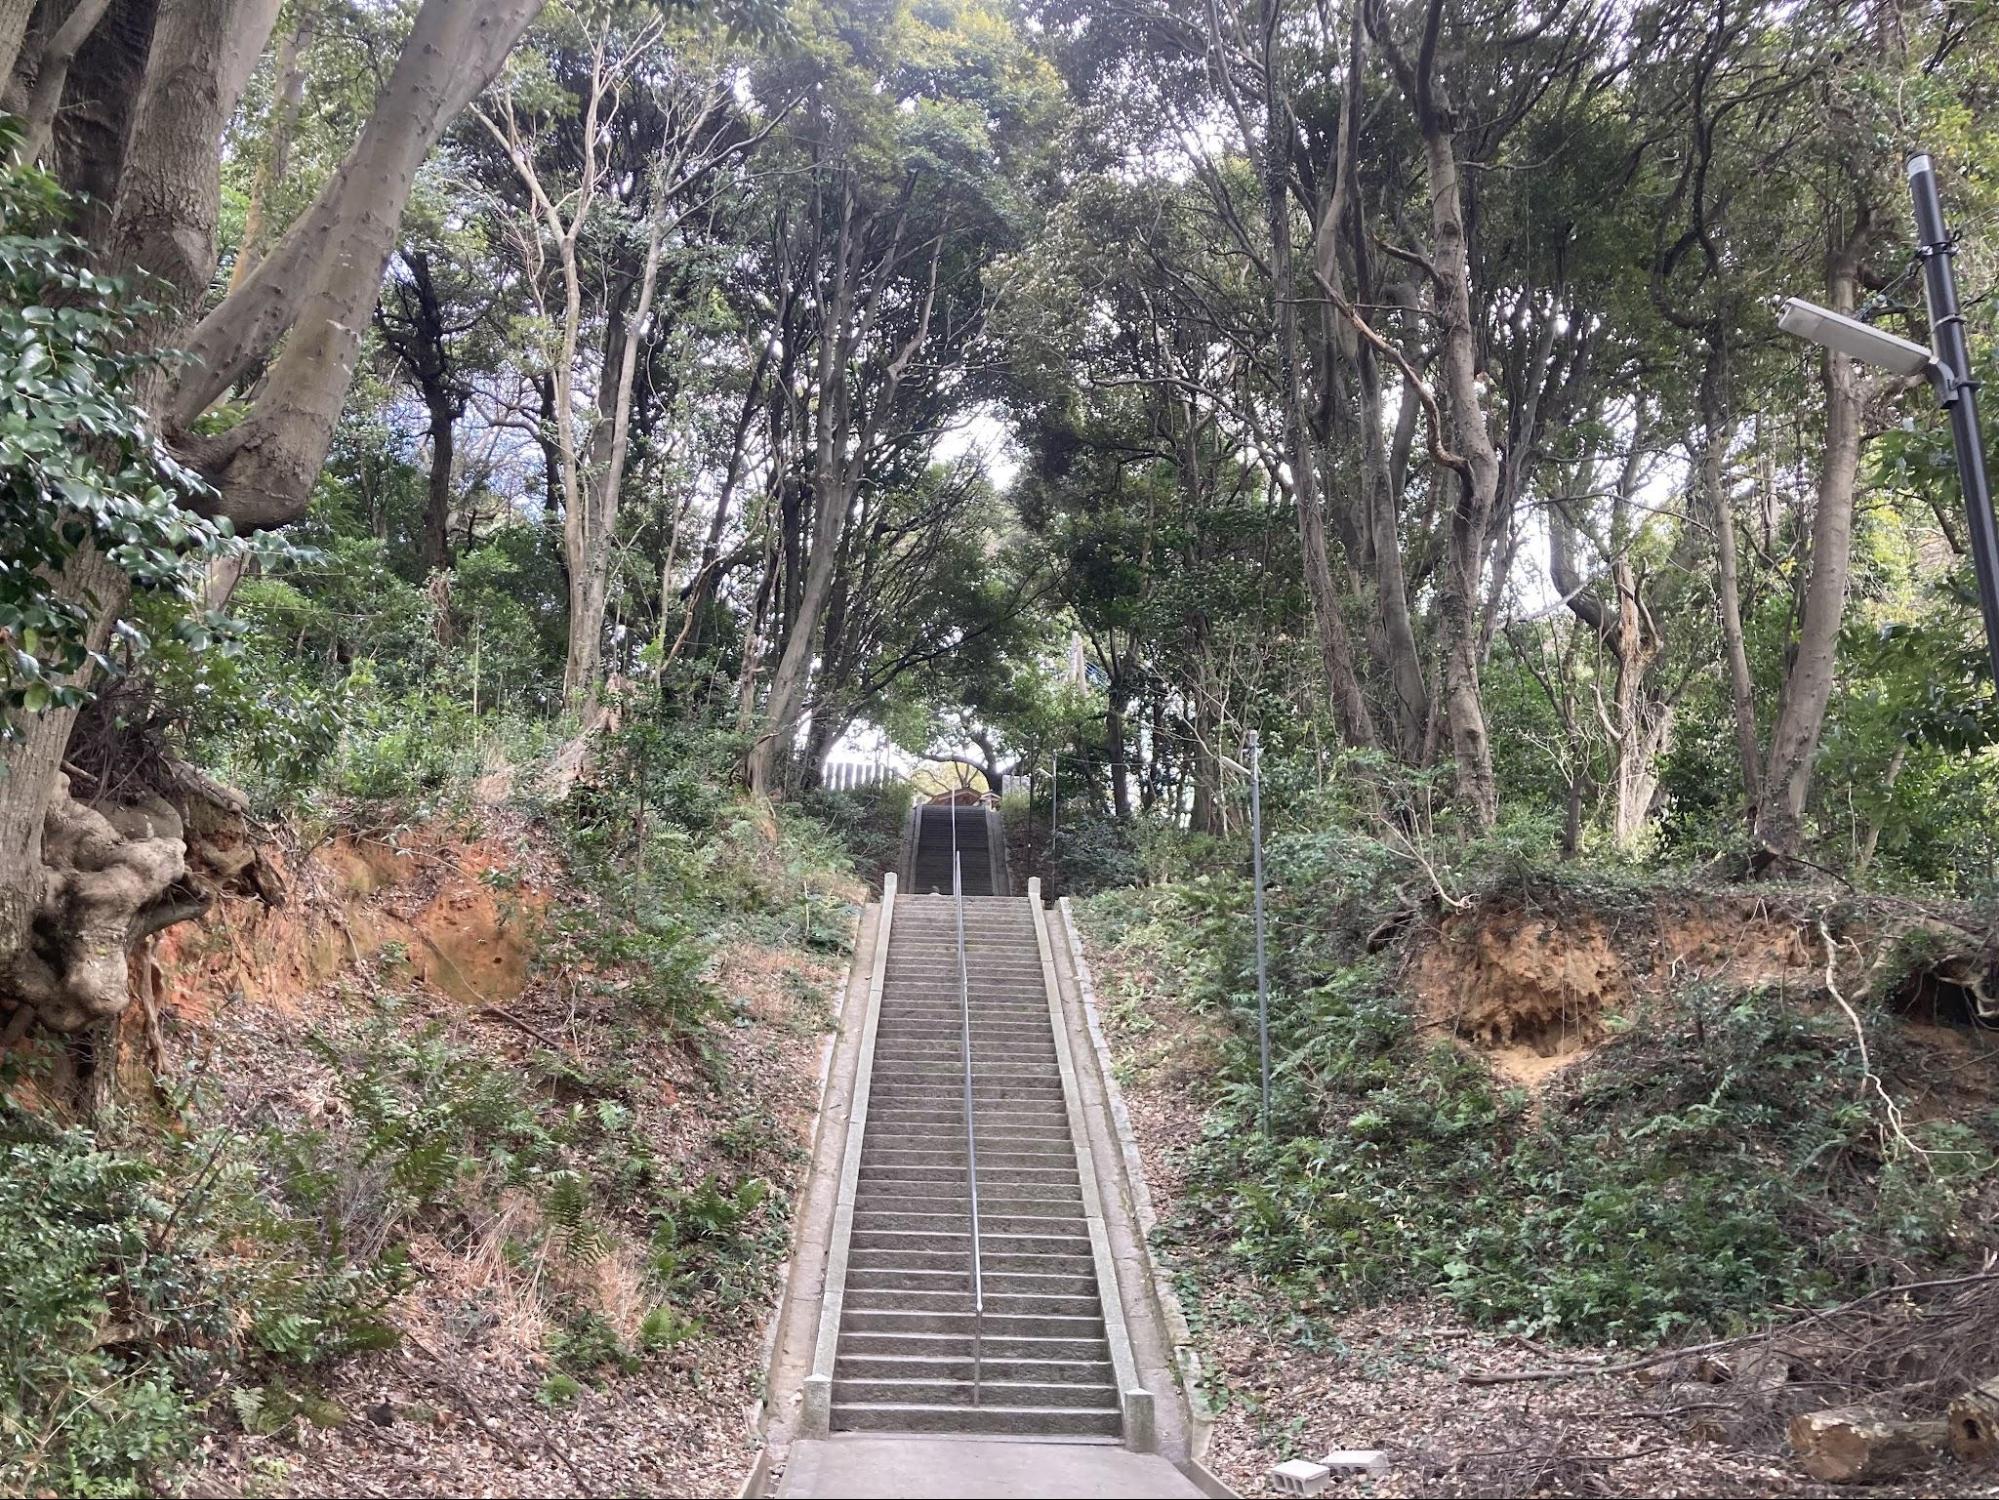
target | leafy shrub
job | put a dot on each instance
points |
(80, 466)
(136, 1287)
(1096, 854)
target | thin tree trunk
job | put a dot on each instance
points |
(277, 148)
(787, 685)
(14, 16)
(1461, 596)
(52, 72)
(1864, 856)
(1114, 750)
(1719, 432)
(436, 546)
(1808, 685)
(1336, 658)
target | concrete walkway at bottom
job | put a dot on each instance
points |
(920, 1468)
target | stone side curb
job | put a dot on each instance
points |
(1165, 1298)
(815, 1417)
(1139, 1428)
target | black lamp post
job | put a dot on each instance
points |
(1957, 389)
(1948, 365)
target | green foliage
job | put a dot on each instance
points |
(1714, 1158)
(1096, 853)
(81, 470)
(717, 1238)
(138, 1287)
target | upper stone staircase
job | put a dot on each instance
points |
(939, 829)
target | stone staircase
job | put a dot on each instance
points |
(904, 1361)
(930, 864)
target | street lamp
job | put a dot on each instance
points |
(1947, 364)
(1851, 337)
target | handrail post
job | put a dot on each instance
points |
(971, 1131)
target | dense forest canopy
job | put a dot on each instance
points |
(1060, 387)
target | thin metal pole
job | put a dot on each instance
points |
(1054, 794)
(971, 1134)
(1255, 752)
(1957, 389)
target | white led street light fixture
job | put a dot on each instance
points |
(1853, 338)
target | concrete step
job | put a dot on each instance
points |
(992, 1247)
(1002, 951)
(1054, 1421)
(995, 1325)
(1007, 1129)
(1009, 1176)
(940, 1053)
(1012, 954)
(985, 979)
(991, 1093)
(959, 1346)
(984, 957)
(1028, 1226)
(992, 1163)
(958, 1367)
(993, 1088)
(1009, 1255)
(889, 1273)
(948, 1271)
(930, 1198)
(950, 1018)
(991, 1392)
(1016, 1122)
(1013, 1304)
(930, 1116)
(939, 1002)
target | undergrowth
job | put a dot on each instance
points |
(1712, 1162)
(164, 1281)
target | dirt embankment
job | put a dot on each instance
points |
(433, 936)
(1537, 984)
(465, 913)
(1533, 983)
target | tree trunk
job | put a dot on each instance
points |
(436, 553)
(1643, 721)
(265, 466)
(1205, 816)
(1862, 1444)
(1871, 840)
(1461, 596)
(170, 183)
(1718, 432)
(787, 684)
(52, 73)
(277, 148)
(1336, 659)
(1974, 1425)
(1114, 751)
(14, 16)
(154, 89)
(1808, 685)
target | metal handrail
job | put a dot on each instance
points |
(971, 1133)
